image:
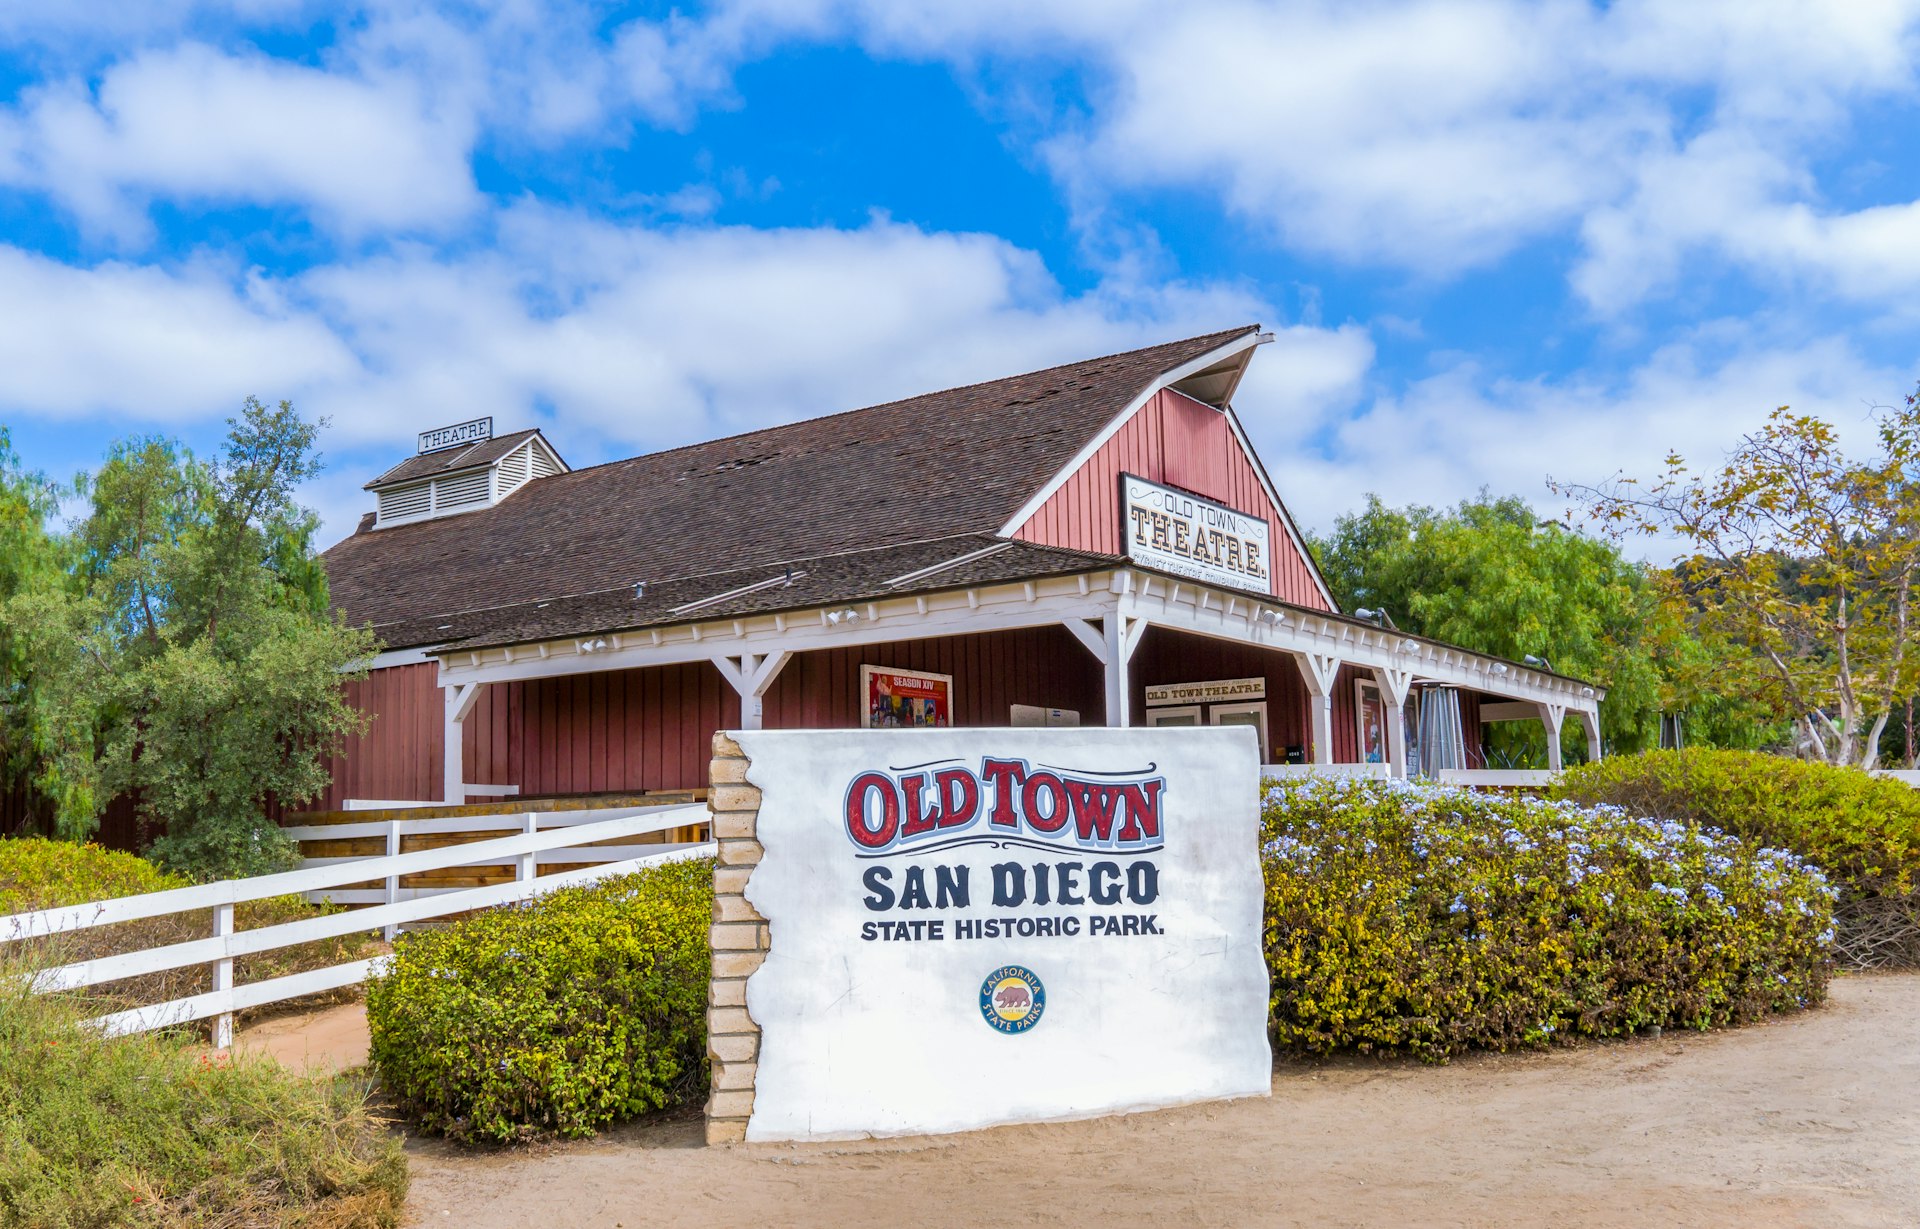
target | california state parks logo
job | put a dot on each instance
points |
(1012, 998)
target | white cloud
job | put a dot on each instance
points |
(1436, 135)
(147, 344)
(619, 339)
(1429, 136)
(645, 338)
(1440, 439)
(1727, 196)
(196, 125)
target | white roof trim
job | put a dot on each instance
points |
(785, 578)
(906, 578)
(389, 658)
(1246, 341)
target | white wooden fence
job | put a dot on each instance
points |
(1487, 778)
(551, 837)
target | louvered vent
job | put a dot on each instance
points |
(513, 471)
(464, 489)
(405, 502)
(543, 466)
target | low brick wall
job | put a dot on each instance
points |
(740, 943)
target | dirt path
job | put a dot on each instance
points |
(1810, 1121)
(331, 1039)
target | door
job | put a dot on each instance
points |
(1253, 713)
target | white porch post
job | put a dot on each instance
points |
(1552, 716)
(1394, 687)
(1119, 685)
(1112, 644)
(1320, 670)
(751, 675)
(1122, 636)
(1590, 722)
(460, 699)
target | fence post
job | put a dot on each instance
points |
(526, 871)
(393, 881)
(223, 977)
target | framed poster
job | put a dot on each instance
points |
(904, 699)
(1370, 712)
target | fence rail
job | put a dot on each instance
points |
(566, 838)
(1372, 771)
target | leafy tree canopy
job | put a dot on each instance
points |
(1805, 557)
(1492, 576)
(182, 651)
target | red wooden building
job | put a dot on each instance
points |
(1091, 544)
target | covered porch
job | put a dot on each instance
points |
(1120, 646)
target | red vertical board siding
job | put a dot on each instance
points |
(1167, 656)
(1472, 733)
(621, 731)
(1178, 441)
(992, 671)
(1346, 715)
(399, 755)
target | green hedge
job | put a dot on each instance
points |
(1429, 920)
(1864, 831)
(562, 1015)
(42, 874)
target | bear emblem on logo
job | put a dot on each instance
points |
(1012, 999)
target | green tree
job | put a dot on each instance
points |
(46, 740)
(190, 636)
(1804, 557)
(1492, 576)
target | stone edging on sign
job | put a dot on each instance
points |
(740, 942)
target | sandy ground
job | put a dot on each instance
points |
(1808, 1121)
(334, 1038)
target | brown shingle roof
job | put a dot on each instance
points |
(890, 478)
(855, 576)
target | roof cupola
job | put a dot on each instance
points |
(461, 468)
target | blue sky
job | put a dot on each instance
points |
(1496, 241)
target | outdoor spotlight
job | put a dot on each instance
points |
(1539, 663)
(1498, 667)
(1410, 645)
(846, 614)
(1586, 691)
(594, 645)
(639, 590)
(1364, 613)
(1272, 616)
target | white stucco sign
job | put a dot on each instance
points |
(971, 927)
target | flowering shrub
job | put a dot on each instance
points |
(1429, 919)
(562, 1014)
(1862, 830)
